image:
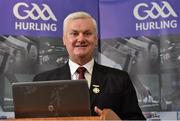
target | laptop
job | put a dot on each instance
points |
(58, 98)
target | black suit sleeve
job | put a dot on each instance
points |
(45, 76)
(117, 93)
(130, 107)
(61, 73)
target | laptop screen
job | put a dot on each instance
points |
(51, 98)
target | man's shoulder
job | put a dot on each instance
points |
(112, 70)
(52, 71)
(115, 77)
(49, 74)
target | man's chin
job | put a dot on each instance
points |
(81, 55)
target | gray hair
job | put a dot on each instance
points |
(79, 15)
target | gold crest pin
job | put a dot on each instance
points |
(96, 89)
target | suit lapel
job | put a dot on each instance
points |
(97, 82)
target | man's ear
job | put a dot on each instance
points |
(96, 40)
(64, 42)
(96, 43)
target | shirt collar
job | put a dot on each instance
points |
(73, 66)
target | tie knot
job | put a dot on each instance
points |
(81, 71)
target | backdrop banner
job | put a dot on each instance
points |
(138, 17)
(31, 40)
(142, 37)
(40, 17)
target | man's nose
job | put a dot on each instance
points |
(81, 37)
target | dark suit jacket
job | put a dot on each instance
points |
(116, 90)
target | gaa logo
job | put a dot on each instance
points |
(153, 11)
(34, 12)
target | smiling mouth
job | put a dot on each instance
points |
(81, 46)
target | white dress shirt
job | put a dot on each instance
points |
(88, 74)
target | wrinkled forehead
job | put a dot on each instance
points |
(83, 16)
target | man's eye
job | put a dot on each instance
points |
(87, 33)
(74, 33)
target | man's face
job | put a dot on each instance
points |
(80, 39)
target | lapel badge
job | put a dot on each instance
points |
(96, 89)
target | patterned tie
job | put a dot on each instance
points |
(81, 71)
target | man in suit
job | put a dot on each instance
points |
(109, 87)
